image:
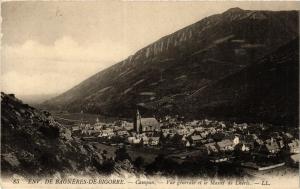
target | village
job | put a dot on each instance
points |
(254, 145)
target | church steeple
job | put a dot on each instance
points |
(137, 126)
(138, 122)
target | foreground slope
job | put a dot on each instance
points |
(182, 63)
(33, 144)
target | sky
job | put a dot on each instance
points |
(49, 47)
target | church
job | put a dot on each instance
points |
(145, 124)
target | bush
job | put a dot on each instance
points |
(139, 162)
(121, 154)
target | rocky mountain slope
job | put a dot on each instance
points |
(33, 144)
(266, 91)
(182, 63)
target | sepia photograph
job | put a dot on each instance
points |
(150, 94)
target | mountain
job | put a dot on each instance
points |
(267, 91)
(33, 144)
(35, 100)
(182, 63)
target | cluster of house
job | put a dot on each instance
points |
(215, 137)
(103, 130)
(144, 139)
(245, 138)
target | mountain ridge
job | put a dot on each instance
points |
(182, 62)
